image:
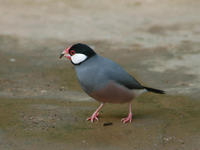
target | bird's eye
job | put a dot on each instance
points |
(72, 52)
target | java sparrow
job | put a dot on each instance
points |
(103, 79)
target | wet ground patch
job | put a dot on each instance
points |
(159, 120)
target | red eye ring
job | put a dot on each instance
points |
(72, 52)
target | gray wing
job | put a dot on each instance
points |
(116, 73)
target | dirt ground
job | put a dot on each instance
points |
(41, 103)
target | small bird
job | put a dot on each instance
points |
(103, 79)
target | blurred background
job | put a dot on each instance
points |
(157, 41)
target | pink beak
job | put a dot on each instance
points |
(66, 53)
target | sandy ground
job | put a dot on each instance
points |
(159, 123)
(41, 103)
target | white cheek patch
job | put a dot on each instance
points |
(78, 58)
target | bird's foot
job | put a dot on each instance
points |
(93, 117)
(127, 119)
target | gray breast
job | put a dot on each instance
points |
(91, 74)
(106, 81)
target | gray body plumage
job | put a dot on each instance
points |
(103, 79)
(106, 81)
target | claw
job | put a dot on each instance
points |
(129, 118)
(95, 114)
(93, 117)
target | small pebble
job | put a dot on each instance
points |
(107, 124)
(43, 91)
(12, 59)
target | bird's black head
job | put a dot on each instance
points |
(78, 53)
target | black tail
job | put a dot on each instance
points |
(154, 90)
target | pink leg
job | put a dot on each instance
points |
(129, 118)
(95, 114)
